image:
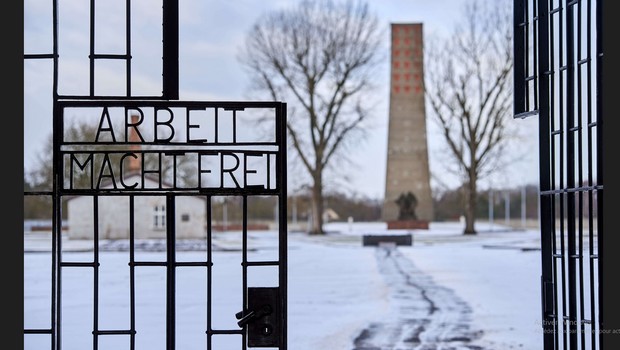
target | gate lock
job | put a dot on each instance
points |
(262, 317)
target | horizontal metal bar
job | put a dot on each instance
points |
(563, 68)
(530, 78)
(575, 128)
(40, 56)
(586, 321)
(593, 124)
(225, 331)
(575, 256)
(548, 72)
(113, 332)
(570, 190)
(107, 98)
(573, 2)
(177, 191)
(37, 331)
(168, 144)
(522, 24)
(78, 264)
(38, 193)
(555, 10)
(123, 101)
(110, 56)
(148, 263)
(261, 263)
(585, 60)
(558, 255)
(556, 132)
(527, 114)
(594, 256)
(193, 263)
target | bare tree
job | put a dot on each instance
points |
(469, 87)
(319, 58)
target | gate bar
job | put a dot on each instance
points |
(544, 163)
(570, 174)
(604, 318)
(282, 225)
(170, 74)
(170, 272)
(132, 274)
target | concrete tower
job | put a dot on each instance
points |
(407, 160)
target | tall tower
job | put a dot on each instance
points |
(407, 159)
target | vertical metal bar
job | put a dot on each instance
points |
(216, 126)
(526, 68)
(268, 171)
(552, 149)
(92, 48)
(545, 166)
(593, 311)
(282, 225)
(128, 45)
(170, 74)
(570, 174)
(209, 274)
(55, 52)
(55, 285)
(56, 220)
(234, 125)
(535, 67)
(591, 210)
(95, 272)
(132, 274)
(520, 55)
(244, 261)
(578, 130)
(170, 272)
(599, 166)
(561, 179)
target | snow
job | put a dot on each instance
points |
(446, 290)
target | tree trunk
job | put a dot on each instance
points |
(317, 207)
(471, 200)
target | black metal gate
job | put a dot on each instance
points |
(161, 151)
(558, 78)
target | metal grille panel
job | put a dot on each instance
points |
(558, 74)
(250, 166)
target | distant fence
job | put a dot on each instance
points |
(32, 225)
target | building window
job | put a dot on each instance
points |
(159, 217)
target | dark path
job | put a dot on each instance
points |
(423, 315)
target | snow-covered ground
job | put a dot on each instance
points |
(446, 291)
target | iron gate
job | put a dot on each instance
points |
(558, 78)
(164, 152)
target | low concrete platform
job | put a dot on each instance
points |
(380, 239)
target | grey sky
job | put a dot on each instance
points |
(211, 33)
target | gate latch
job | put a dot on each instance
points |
(262, 317)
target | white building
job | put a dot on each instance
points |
(149, 216)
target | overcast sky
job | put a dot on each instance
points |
(211, 33)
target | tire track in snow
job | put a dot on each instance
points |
(423, 314)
